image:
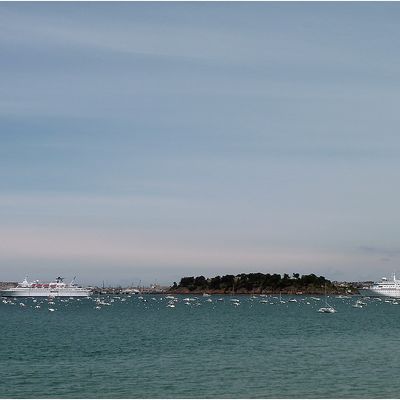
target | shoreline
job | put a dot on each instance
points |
(263, 292)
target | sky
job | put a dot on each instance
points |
(144, 142)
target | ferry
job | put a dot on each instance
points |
(383, 288)
(53, 289)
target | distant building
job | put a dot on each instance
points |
(7, 285)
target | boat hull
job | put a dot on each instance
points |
(389, 292)
(37, 292)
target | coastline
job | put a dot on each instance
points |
(292, 292)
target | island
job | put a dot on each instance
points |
(260, 283)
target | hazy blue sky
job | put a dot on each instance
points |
(155, 140)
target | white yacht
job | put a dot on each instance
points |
(383, 288)
(52, 289)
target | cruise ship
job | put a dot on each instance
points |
(383, 288)
(52, 289)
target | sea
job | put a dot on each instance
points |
(139, 346)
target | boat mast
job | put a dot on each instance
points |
(326, 298)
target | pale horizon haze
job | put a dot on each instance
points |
(144, 142)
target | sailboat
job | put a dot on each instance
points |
(280, 298)
(328, 308)
(235, 302)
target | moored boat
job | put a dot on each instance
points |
(328, 308)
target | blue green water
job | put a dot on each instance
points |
(142, 349)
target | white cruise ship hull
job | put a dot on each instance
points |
(387, 292)
(45, 292)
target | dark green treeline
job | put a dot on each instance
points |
(255, 282)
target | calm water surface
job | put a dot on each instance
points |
(141, 349)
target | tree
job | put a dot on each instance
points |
(200, 282)
(215, 283)
(275, 281)
(186, 281)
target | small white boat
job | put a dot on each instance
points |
(103, 303)
(328, 308)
